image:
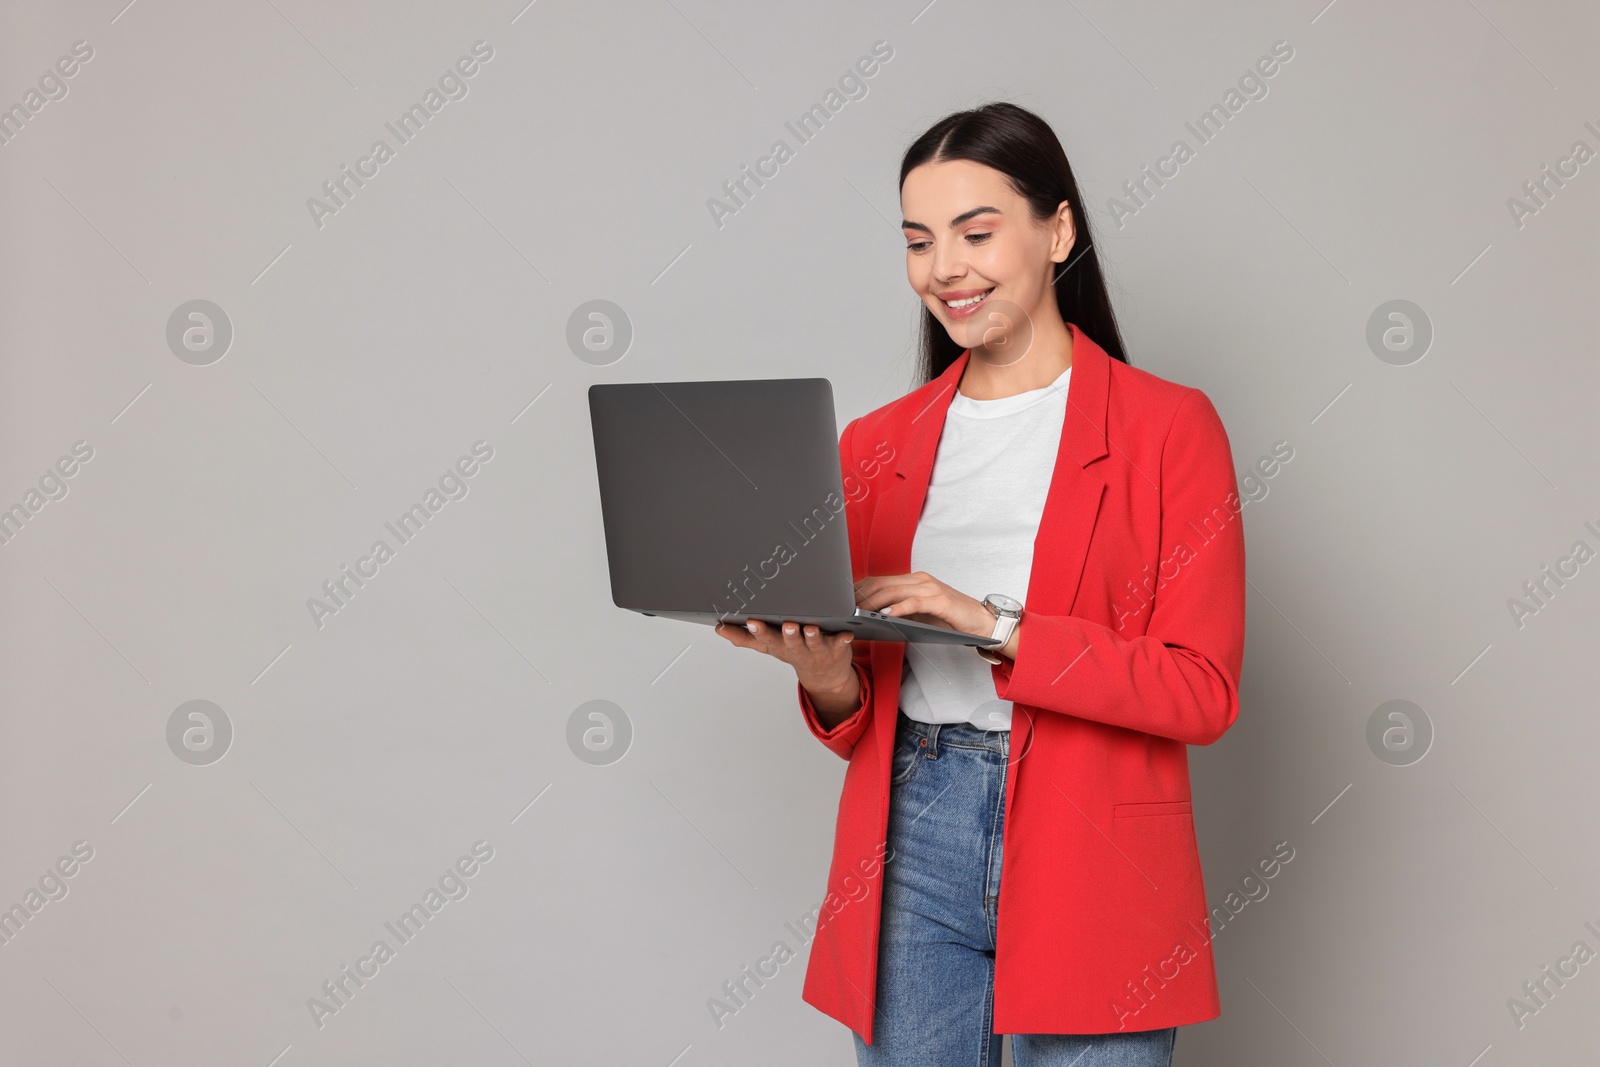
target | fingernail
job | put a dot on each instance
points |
(788, 629)
(751, 626)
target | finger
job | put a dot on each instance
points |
(755, 634)
(919, 609)
(793, 640)
(734, 634)
(902, 606)
(817, 641)
(886, 589)
(873, 599)
(875, 587)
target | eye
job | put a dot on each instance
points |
(916, 246)
(978, 238)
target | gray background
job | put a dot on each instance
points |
(370, 353)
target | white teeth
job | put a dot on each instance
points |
(967, 302)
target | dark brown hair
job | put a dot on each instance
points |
(1023, 147)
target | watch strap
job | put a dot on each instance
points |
(1003, 625)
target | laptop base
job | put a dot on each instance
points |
(873, 627)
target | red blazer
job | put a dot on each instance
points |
(1130, 650)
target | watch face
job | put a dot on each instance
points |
(1004, 603)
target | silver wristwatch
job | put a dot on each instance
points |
(1008, 612)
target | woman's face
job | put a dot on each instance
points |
(969, 235)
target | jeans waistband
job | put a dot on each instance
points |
(957, 734)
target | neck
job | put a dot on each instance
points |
(990, 375)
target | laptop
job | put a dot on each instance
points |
(722, 501)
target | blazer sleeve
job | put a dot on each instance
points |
(841, 740)
(1180, 679)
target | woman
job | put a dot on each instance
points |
(1015, 849)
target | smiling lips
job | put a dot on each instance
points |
(962, 303)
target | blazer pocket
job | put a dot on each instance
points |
(1151, 807)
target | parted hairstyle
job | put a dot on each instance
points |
(1023, 147)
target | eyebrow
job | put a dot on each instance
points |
(907, 224)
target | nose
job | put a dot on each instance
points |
(949, 261)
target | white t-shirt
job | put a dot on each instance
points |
(985, 497)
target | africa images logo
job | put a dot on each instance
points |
(342, 187)
(453, 485)
(452, 885)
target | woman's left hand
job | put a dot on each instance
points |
(921, 597)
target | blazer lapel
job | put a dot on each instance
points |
(1071, 509)
(916, 442)
(1072, 503)
(915, 434)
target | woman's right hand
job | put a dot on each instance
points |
(821, 662)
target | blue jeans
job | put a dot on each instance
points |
(941, 898)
